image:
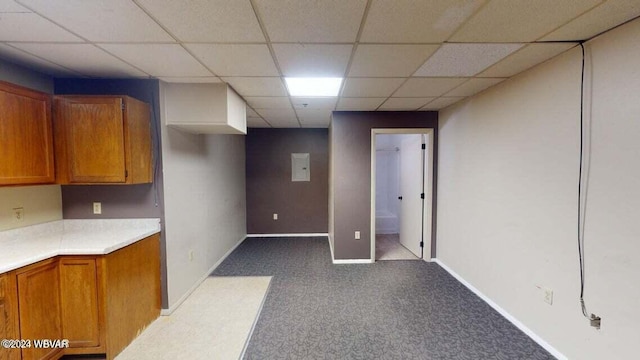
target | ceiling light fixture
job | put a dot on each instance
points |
(313, 86)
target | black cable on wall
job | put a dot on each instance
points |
(595, 320)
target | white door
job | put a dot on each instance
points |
(411, 175)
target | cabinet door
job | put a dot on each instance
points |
(92, 139)
(26, 140)
(8, 315)
(39, 307)
(79, 302)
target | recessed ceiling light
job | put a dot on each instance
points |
(313, 86)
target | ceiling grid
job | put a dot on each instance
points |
(403, 55)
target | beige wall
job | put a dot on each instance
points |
(507, 193)
(205, 206)
(40, 203)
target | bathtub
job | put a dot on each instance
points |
(386, 222)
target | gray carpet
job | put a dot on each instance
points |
(386, 310)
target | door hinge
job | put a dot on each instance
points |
(424, 146)
(126, 173)
(122, 105)
(421, 244)
(422, 196)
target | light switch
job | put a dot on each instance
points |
(357, 235)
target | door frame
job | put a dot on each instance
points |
(427, 223)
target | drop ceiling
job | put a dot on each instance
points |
(395, 55)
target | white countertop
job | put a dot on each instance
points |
(28, 245)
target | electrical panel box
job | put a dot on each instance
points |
(300, 169)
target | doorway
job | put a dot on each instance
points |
(401, 193)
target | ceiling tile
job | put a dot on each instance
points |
(13, 25)
(207, 20)
(277, 114)
(314, 102)
(442, 102)
(427, 87)
(284, 123)
(251, 112)
(371, 87)
(235, 59)
(23, 58)
(102, 21)
(11, 6)
(314, 115)
(316, 125)
(389, 60)
(359, 104)
(256, 122)
(465, 59)
(311, 21)
(191, 79)
(525, 58)
(312, 60)
(314, 118)
(474, 86)
(87, 59)
(257, 86)
(268, 102)
(404, 103)
(604, 17)
(416, 21)
(176, 61)
(519, 20)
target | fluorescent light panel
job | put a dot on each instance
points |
(299, 86)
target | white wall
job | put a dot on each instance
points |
(387, 183)
(507, 193)
(205, 205)
(41, 203)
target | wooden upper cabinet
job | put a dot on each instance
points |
(102, 140)
(26, 142)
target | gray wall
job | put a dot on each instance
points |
(351, 173)
(22, 76)
(130, 201)
(301, 206)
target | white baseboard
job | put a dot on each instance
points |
(553, 351)
(352, 261)
(288, 235)
(171, 309)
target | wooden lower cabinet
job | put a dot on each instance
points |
(39, 307)
(98, 303)
(9, 325)
(80, 302)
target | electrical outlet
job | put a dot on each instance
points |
(357, 235)
(548, 296)
(18, 214)
(275, 216)
(97, 208)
